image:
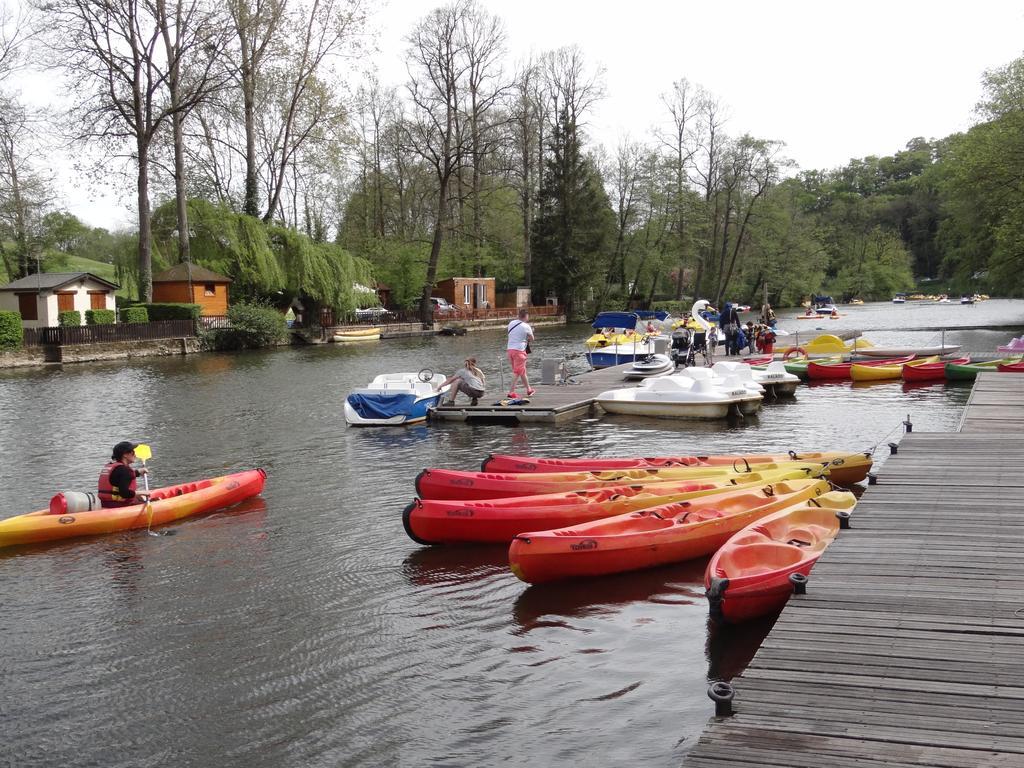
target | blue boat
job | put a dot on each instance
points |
(618, 341)
(394, 399)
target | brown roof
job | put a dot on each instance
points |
(179, 273)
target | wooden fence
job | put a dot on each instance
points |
(103, 334)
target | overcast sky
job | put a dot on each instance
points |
(832, 80)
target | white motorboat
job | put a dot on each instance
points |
(940, 349)
(674, 397)
(394, 398)
(774, 377)
(652, 365)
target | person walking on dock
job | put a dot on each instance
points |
(520, 334)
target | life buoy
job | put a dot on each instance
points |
(792, 350)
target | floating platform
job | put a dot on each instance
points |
(552, 404)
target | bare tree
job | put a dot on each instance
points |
(119, 74)
(525, 121)
(437, 67)
(678, 141)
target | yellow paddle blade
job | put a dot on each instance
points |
(143, 452)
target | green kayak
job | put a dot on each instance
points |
(970, 371)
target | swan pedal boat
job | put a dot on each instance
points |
(668, 533)
(168, 504)
(458, 484)
(843, 468)
(749, 575)
(497, 521)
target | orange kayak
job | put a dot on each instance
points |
(668, 533)
(844, 468)
(168, 504)
(749, 576)
(440, 521)
(457, 484)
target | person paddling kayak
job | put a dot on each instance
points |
(118, 478)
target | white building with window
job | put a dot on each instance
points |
(41, 297)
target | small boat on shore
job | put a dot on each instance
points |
(354, 335)
(394, 398)
(749, 576)
(653, 536)
(63, 520)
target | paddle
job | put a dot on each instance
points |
(143, 452)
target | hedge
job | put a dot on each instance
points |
(70, 317)
(100, 317)
(134, 315)
(11, 332)
(172, 311)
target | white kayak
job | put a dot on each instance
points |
(652, 365)
(947, 349)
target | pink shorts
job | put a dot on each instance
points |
(517, 358)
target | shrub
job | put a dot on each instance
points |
(11, 332)
(172, 311)
(100, 317)
(252, 326)
(136, 314)
(70, 317)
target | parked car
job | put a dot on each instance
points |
(373, 313)
(442, 307)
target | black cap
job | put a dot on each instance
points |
(121, 449)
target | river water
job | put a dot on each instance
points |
(305, 629)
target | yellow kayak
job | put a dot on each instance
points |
(886, 372)
(348, 335)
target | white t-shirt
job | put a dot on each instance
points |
(519, 333)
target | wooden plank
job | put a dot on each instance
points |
(906, 648)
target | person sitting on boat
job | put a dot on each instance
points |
(117, 479)
(835, 312)
(470, 381)
(651, 330)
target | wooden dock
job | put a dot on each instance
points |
(907, 648)
(551, 403)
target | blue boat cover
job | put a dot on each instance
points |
(381, 406)
(615, 320)
(647, 314)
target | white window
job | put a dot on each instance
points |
(481, 295)
(467, 295)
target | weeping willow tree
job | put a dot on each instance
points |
(267, 261)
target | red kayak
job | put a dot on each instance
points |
(749, 576)
(841, 370)
(497, 521)
(844, 468)
(930, 371)
(668, 533)
(458, 484)
(1011, 367)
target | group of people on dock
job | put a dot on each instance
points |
(470, 380)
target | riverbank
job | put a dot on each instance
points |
(56, 354)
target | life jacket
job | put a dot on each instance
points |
(108, 493)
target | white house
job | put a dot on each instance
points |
(38, 298)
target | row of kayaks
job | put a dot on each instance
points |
(767, 516)
(167, 505)
(907, 368)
